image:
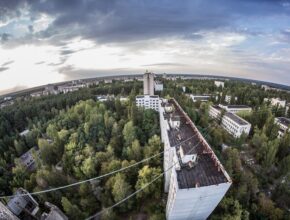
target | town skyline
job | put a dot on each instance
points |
(52, 41)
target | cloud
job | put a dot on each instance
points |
(7, 63)
(4, 37)
(132, 20)
(2, 69)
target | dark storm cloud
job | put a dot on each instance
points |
(129, 20)
(4, 37)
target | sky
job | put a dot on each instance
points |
(47, 41)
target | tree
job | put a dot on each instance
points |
(120, 190)
(267, 208)
(71, 210)
(47, 152)
(129, 133)
(228, 209)
(89, 167)
(153, 147)
(146, 175)
(20, 174)
(134, 152)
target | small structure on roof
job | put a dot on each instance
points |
(54, 214)
(23, 205)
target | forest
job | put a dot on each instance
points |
(78, 137)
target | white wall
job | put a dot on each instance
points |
(194, 203)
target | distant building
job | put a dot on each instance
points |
(183, 88)
(148, 101)
(219, 84)
(50, 90)
(215, 111)
(228, 98)
(24, 133)
(54, 214)
(235, 125)
(27, 159)
(158, 86)
(23, 205)
(6, 214)
(66, 88)
(148, 83)
(232, 123)
(195, 179)
(202, 98)
(36, 94)
(108, 81)
(6, 103)
(236, 108)
(284, 125)
(276, 102)
(7, 98)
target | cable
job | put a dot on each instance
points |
(139, 190)
(98, 177)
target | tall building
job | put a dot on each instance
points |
(148, 83)
(6, 214)
(195, 179)
(148, 100)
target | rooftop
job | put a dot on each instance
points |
(284, 121)
(151, 96)
(236, 118)
(208, 170)
(238, 106)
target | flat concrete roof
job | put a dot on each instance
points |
(207, 171)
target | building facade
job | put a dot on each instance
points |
(276, 102)
(148, 83)
(236, 108)
(219, 84)
(158, 86)
(202, 98)
(194, 177)
(284, 125)
(235, 125)
(231, 122)
(148, 101)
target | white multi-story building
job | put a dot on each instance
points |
(276, 102)
(284, 125)
(235, 125)
(228, 98)
(148, 101)
(232, 123)
(6, 214)
(215, 111)
(236, 108)
(148, 83)
(158, 86)
(219, 84)
(202, 98)
(194, 177)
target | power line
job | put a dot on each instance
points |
(98, 177)
(141, 189)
